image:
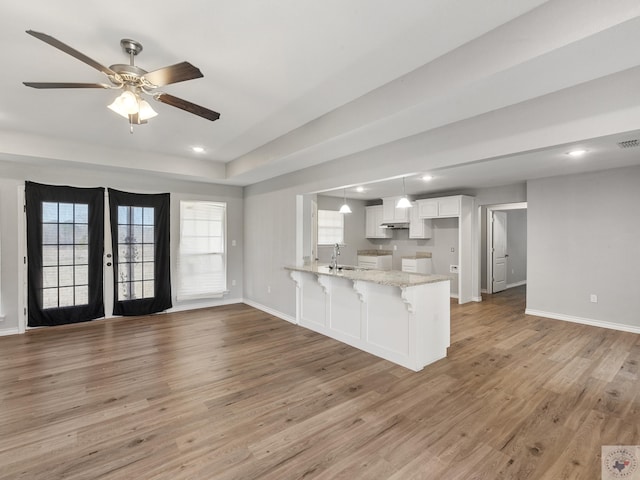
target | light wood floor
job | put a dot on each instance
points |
(233, 393)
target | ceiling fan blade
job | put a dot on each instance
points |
(173, 74)
(65, 85)
(71, 51)
(187, 106)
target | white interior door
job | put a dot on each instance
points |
(499, 251)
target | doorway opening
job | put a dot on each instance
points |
(506, 247)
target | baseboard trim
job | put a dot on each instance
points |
(517, 284)
(208, 304)
(584, 321)
(270, 311)
(9, 331)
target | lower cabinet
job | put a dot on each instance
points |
(375, 262)
(416, 265)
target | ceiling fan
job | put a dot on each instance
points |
(133, 81)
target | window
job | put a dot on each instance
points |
(202, 256)
(330, 227)
(136, 257)
(65, 254)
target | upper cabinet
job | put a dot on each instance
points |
(418, 227)
(442, 207)
(392, 214)
(373, 219)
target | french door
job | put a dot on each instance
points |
(65, 238)
(82, 256)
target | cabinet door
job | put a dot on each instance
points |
(373, 219)
(449, 206)
(389, 209)
(392, 214)
(428, 208)
(369, 222)
(418, 227)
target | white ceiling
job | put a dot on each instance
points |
(302, 82)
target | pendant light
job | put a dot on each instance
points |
(404, 201)
(345, 208)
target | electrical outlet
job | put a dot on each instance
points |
(593, 298)
(233, 283)
(453, 268)
(233, 243)
(453, 249)
(269, 289)
(395, 247)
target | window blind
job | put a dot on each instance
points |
(202, 252)
(330, 227)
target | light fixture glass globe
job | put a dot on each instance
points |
(403, 203)
(146, 112)
(126, 104)
(129, 102)
(345, 209)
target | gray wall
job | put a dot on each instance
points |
(13, 174)
(584, 238)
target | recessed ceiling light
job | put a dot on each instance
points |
(578, 152)
(359, 189)
(427, 178)
(198, 149)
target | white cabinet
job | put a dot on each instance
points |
(418, 227)
(373, 219)
(442, 207)
(392, 214)
(416, 265)
(375, 262)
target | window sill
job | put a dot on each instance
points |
(208, 296)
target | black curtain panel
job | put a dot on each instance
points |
(65, 247)
(140, 239)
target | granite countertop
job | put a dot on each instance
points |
(374, 253)
(418, 255)
(392, 278)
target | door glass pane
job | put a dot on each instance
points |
(65, 254)
(135, 252)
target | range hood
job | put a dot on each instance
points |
(395, 225)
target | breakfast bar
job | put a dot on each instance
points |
(399, 316)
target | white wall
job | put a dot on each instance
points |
(13, 175)
(583, 239)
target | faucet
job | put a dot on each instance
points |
(334, 258)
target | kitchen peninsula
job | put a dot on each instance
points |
(399, 316)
